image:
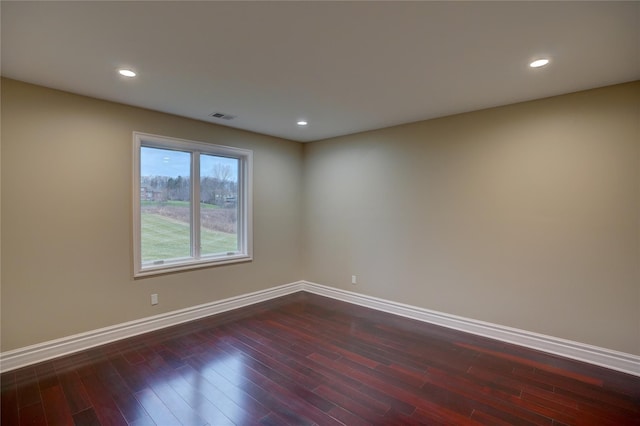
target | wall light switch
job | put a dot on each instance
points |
(154, 299)
(354, 279)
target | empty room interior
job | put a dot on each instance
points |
(319, 213)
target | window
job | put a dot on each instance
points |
(191, 204)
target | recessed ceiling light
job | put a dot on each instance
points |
(302, 123)
(539, 63)
(127, 73)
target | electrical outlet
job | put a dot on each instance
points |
(354, 280)
(154, 299)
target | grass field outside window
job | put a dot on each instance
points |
(167, 238)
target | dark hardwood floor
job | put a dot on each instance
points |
(304, 360)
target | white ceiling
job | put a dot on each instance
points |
(344, 66)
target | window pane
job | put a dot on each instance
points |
(218, 204)
(165, 198)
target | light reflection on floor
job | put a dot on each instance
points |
(210, 389)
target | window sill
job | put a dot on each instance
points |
(152, 270)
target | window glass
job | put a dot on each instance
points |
(218, 205)
(192, 206)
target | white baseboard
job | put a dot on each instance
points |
(28, 355)
(620, 361)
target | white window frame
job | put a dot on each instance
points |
(244, 203)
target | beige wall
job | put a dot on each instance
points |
(66, 216)
(526, 215)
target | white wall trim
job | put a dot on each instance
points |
(28, 355)
(608, 358)
(620, 361)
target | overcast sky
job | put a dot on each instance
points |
(164, 162)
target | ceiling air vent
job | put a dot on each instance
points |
(222, 116)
